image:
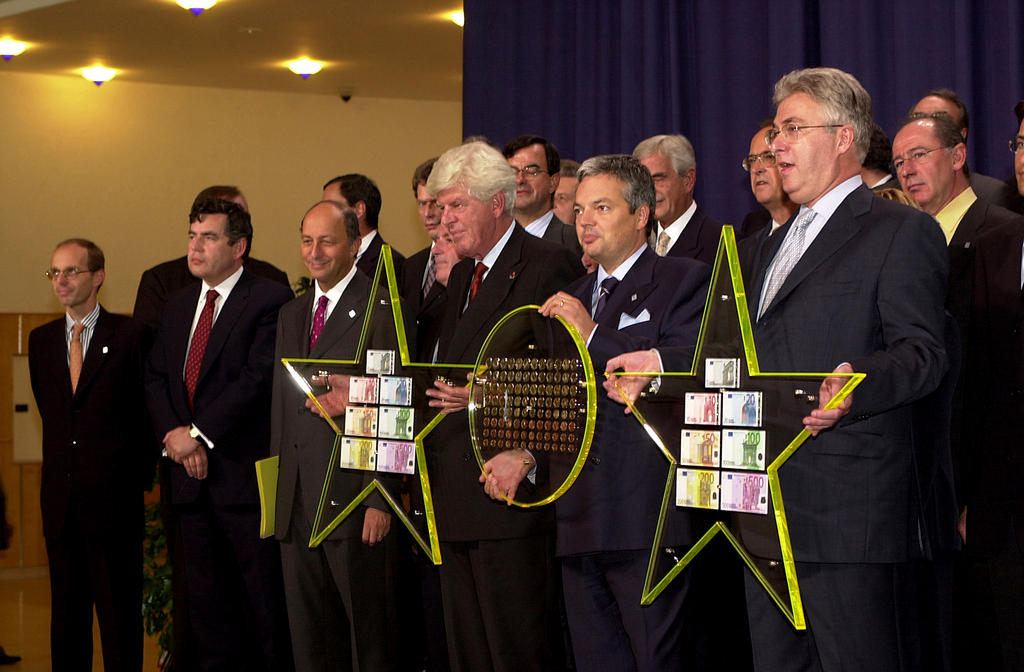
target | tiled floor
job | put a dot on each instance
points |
(25, 623)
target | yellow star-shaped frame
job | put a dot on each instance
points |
(727, 285)
(430, 545)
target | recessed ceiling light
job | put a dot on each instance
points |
(457, 17)
(97, 74)
(197, 7)
(305, 67)
(10, 48)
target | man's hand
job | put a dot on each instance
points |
(195, 463)
(632, 386)
(179, 444)
(447, 398)
(820, 420)
(376, 525)
(335, 400)
(569, 308)
(504, 472)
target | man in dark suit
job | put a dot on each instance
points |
(766, 185)
(498, 578)
(853, 283)
(945, 100)
(208, 391)
(164, 279)
(605, 522)
(993, 521)
(539, 165)
(341, 595)
(683, 229)
(362, 195)
(87, 372)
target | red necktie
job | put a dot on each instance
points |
(198, 347)
(478, 278)
(319, 317)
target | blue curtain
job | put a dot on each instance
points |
(597, 76)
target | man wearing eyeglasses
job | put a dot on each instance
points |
(766, 185)
(87, 375)
(851, 283)
(537, 165)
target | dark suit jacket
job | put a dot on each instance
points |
(992, 190)
(232, 398)
(528, 271)
(428, 310)
(97, 445)
(699, 239)
(164, 279)
(563, 234)
(615, 503)
(367, 263)
(304, 440)
(754, 222)
(994, 398)
(869, 291)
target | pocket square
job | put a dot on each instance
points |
(627, 320)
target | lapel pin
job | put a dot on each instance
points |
(633, 298)
(352, 313)
(512, 275)
(105, 349)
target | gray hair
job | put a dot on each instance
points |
(637, 183)
(477, 167)
(676, 148)
(844, 99)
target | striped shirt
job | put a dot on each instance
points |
(90, 326)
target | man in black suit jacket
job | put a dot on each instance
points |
(538, 167)
(362, 195)
(498, 578)
(766, 185)
(683, 229)
(86, 370)
(993, 521)
(338, 617)
(606, 521)
(208, 391)
(853, 283)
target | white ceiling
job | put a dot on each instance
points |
(378, 48)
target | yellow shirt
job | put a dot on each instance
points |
(949, 217)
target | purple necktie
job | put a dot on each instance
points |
(318, 321)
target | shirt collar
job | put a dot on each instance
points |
(829, 203)
(620, 272)
(364, 243)
(334, 293)
(495, 252)
(89, 321)
(225, 287)
(949, 217)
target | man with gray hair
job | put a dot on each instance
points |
(605, 521)
(683, 229)
(498, 580)
(851, 283)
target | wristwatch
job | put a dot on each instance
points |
(194, 432)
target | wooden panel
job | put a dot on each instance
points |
(33, 545)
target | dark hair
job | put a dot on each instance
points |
(1018, 109)
(946, 130)
(422, 172)
(356, 187)
(225, 192)
(348, 216)
(524, 141)
(96, 259)
(964, 122)
(879, 156)
(239, 224)
(637, 183)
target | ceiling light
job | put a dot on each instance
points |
(10, 48)
(197, 7)
(304, 67)
(97, 74)
(457, 17)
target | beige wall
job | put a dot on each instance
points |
(121, 163)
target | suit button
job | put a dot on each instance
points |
(595, 460)
(74, 443)
(466, 457)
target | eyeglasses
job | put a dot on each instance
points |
(529, 171)
(69, 273)
(767, 160)
(791, 132)
(913, 157)
(1017, 145)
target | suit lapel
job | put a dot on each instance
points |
(102, 334)
(967, 229)
(347, 315)
(225, 324)
(630, 294)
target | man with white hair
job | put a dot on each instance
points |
(498, 576)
